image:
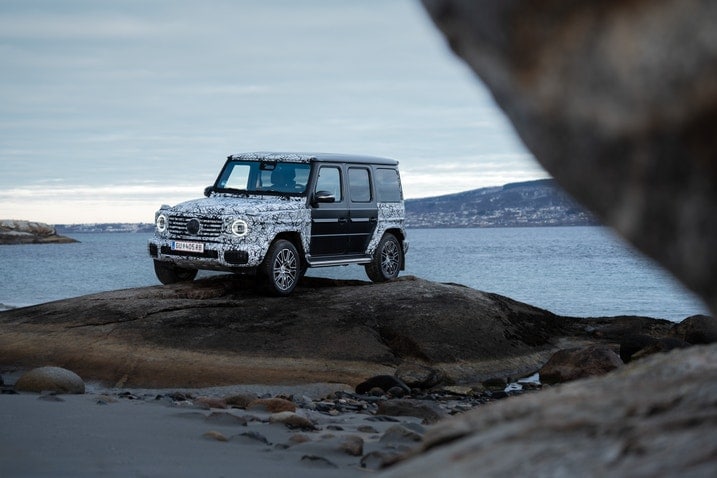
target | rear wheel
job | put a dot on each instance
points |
(281, 268)
(387, 260)
(168, 273)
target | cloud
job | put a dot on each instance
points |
(123, 92)
(101, 203)
(83, 25)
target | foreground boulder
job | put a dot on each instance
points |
(654, 417)
(579, 362)
(50, 379)
(696, 329)
(618, 101)
(221, 331)
(28, 232)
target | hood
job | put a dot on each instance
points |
(235, 206)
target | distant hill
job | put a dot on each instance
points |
(530, 203)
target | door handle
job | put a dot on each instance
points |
(343, 220)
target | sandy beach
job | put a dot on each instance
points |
(176, 432)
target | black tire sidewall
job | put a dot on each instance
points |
(267, 269)
(374, 270)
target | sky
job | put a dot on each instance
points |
(110, 108)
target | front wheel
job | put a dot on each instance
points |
(386, 261)
(168, 273)
(281, 268)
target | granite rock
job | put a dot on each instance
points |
(580, 362)
(29, 232)
(50, 379)
(219, 331)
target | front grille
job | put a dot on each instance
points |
(207, 254)
(209, 229)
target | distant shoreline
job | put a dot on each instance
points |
(144, 228)
(540, 203)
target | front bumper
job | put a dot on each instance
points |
(213, 256)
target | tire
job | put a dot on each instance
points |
(281, 269)
(168, 273)
(387, 260)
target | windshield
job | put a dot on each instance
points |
(264, 177)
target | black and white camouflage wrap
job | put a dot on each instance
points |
(391, 215)
(266, 216)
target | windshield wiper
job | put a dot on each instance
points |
(238, 192)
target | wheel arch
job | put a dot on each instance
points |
(295, 238)
(401, 236)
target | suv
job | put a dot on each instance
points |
(276, 214)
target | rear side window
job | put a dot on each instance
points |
(359, 185)
(388, 185)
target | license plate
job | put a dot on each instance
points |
(187, 246)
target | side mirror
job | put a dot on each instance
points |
(324, 196)
(208, 191)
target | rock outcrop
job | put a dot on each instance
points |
(571, 364)
(618, 101)
(221, 331)
(654, 417)
(28, 232)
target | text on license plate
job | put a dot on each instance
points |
(187, 246)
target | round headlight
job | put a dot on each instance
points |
(239, 228)
(161, 223)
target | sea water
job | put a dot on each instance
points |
(574, 271)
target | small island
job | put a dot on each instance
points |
(28, 232)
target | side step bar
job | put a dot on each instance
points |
(343, 261)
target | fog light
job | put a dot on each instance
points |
(236, 257)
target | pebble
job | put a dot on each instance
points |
(299, 438)
(352, 445)
(251, 437)
(208, 403)
(214, 435)
(400, 434)
(272, 405)
(292, 420)
(241, 400)
(380, 459)
(318, 461)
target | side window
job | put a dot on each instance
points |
(388, 185)
(330, 180)
(359, 185)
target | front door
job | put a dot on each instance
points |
(330, 220)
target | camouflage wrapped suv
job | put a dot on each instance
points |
(276, 214)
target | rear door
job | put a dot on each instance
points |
(363, 212)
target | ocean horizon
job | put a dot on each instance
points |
(582, 271)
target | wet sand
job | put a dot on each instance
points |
(142, 432)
